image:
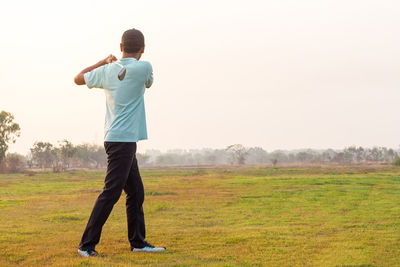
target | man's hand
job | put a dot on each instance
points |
(80, 80)
(109, 59)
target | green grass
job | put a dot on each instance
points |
(235, 217)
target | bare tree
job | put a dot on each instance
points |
(238, 153)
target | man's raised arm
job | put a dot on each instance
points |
(80, 80)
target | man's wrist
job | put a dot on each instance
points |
(102, 62)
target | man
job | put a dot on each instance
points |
(124, 126)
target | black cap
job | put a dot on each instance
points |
(132, 41)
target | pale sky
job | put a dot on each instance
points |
(275, 74)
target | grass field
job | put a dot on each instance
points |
(242, 217)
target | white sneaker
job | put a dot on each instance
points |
(148, 248)
(88, 253)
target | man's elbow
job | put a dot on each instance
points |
(79, 79)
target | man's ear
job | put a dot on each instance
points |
(141, 50)
(121, 47)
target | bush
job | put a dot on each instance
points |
(3, 166)
(397, 162)
(12, 163)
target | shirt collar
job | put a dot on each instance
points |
(128, 59)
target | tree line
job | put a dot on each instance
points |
(64, 155)
(240, 155)
(58, 157)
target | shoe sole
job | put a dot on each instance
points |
(148, 250)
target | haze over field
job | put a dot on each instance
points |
(275, 74)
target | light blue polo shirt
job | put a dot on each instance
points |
(125, 113)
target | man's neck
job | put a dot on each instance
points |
(134, 55)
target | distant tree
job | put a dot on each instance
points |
(57, 160)
(257, 155)
(43, 154)
(350, 154)
(167, 159)
(326, 157)
(291, 157)
(376, 154)
(305, 156)
(9, 131)
(66, 152)
(210, 157)
(339, 158)
(391, 155)
(98, 155)
(142, 158)
(90, 156)
(278, 156)
(238, 153)
(29, 160)
(198, 158)
(82, 155)
(360, 154)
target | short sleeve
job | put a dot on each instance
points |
(149, 80)
(95, 78)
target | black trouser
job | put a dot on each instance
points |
(122, 173)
